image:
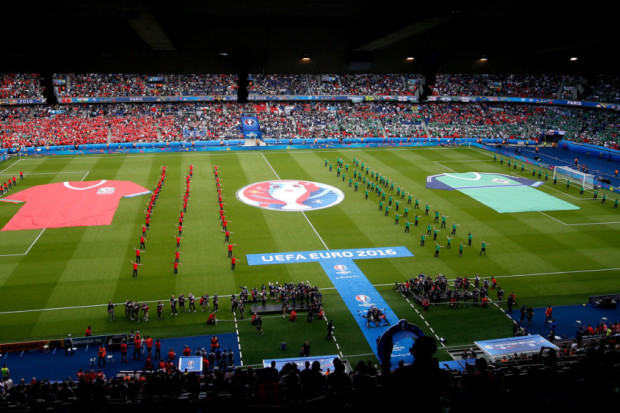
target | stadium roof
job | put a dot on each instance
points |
(271, 36)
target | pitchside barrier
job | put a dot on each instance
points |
(112, 342)
(605, 301)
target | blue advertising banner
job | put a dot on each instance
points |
(318, 256)
(250, 127)
(360, 98)
(509, 346)
(193, 364)
(498, 99)
(326, 362)
(22, 101)
(144, 99)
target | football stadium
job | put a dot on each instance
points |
(307, 225)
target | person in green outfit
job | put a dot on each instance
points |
(390, 200)
(546, 176)
(461, 249)
(397, 205)
(470, 236)
(555, 180)
(409, 199)
(595, 196)
(350, 182)
(406, 213)
(454, 229)
(326, 162)
(366, 194)
(604, 198)
(449, 244)
(568, 184)
(422, 237)
(417, 204)
(356, 186)
(396, 219)
(426, 209)
(443, 221)
(416, 220)
(387, 211)
(483, 250)
(616, 204)
(436, 217)
(380, 205)
(429, 229)
(437, 246)
(407, 226)
(435, 233)
(581, 190)
(338, 172)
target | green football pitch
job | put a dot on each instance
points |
(56, 281)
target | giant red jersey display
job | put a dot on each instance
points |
(70, 204)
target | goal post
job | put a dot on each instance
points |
(569, 174)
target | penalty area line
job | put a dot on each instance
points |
(29, 248)
(579, 223)
(11, 165)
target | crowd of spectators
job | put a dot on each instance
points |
(41, 125)
(319, 120)
(332, 84)
(605, 88)
(21, 86)
(520, 121)
(601, 88)
(140, 85)
(513, 85)
(376, 84)
(82, 124)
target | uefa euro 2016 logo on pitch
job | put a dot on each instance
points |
(290, 195)
(341, 269)
(362, 298)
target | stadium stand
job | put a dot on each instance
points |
(566, 378)
(21, 86)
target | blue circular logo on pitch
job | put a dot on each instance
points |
(290, 195)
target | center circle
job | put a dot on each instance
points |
(290, 195)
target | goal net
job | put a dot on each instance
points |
(569, 174)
